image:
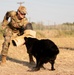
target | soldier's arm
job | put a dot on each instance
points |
(5, 20)
(26, 26)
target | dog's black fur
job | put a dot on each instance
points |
(43, 50)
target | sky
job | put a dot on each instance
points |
(46, 11)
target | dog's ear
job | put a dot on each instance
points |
(25, 38)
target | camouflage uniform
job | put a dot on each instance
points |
(10, 27)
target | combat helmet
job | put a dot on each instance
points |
(22, 10)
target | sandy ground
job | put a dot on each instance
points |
(18, 63)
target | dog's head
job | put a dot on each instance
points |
(29, 42)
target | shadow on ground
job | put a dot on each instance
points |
(24, 63)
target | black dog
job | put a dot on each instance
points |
(43, 50)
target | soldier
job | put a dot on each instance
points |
(17, 23)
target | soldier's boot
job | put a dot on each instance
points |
(3, 60)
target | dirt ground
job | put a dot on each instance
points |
(18, 63)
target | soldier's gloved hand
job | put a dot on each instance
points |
(21, 31)
(19, 34)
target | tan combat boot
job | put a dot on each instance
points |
(3, 60)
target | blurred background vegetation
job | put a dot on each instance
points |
(47, 31)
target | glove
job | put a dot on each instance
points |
(21, 31)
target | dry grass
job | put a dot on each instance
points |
(18, 64)
(67, 42)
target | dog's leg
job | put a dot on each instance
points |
(39, 64)
(31, 59)
(52, 64)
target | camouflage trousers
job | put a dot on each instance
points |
(7, 38)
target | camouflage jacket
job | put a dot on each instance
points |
(11, 20)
